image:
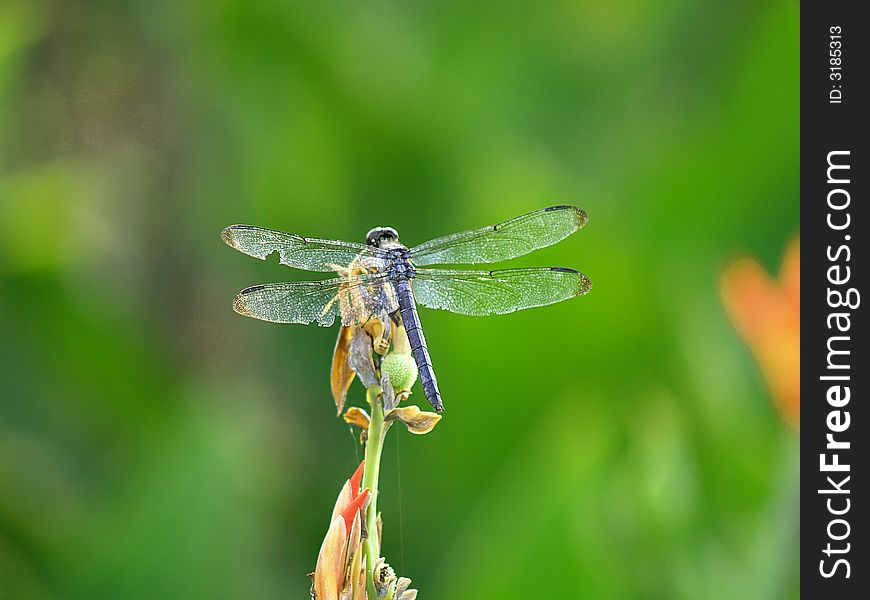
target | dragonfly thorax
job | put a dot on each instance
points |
(400, 266)
(382, 237)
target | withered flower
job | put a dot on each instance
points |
(416, 420)
(388, 586)
(342, 375)
(395, 375)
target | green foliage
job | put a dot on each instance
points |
(153, 444)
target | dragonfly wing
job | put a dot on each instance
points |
(310, 254)
(353, 300)
(479, 293)
(504, 241)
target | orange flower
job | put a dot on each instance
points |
(766, 314)
(340, 570)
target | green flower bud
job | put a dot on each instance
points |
(401, 369)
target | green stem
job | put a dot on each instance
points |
(374, 445)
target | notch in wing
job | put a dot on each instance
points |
(479, 293)
(504, 241)
(310, 254)
(354, 299)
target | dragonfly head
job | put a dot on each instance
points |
(382, 237)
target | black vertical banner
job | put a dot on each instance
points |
(835, 437)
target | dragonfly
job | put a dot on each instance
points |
(383, 278)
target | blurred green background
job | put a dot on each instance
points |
(153, 444)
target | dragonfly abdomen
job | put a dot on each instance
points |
(411, 321)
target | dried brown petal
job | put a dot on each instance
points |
(380, 332)
(357, 416)
(416, 420)
(383, 577)
(360, 592)
(402, 585)
(380, 526)
(388, 395)
(402, 591)
(360, 358)
(341, 375)
(353, 560)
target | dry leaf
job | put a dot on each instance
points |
(341, 375)
(416, 420)
(357, 416)
(360, 358)
(388, 395)
(380, 333)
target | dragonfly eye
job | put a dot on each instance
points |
(377, 236)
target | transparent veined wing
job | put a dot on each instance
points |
(504, 241)
(352, 299)
(310, 254)
(478, 293)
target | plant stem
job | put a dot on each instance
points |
(374, 446)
